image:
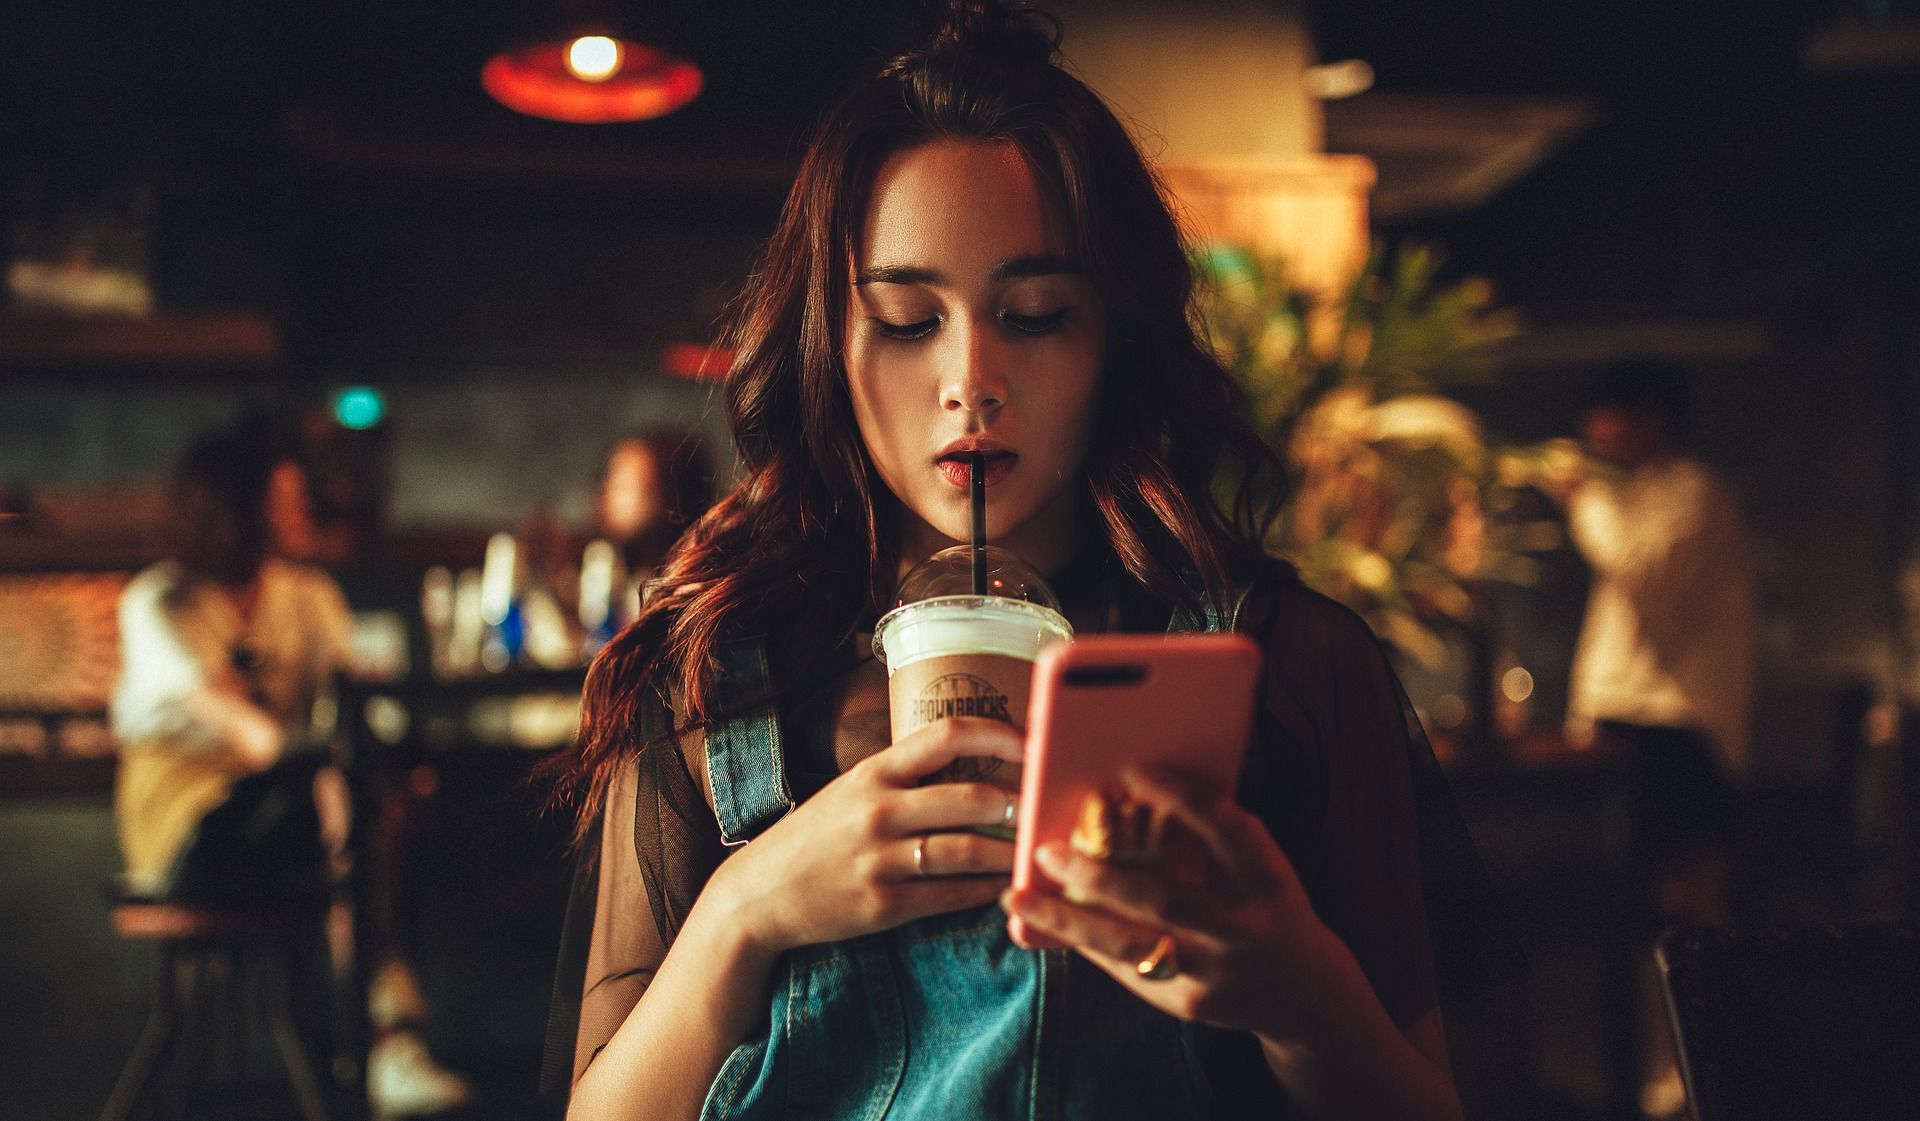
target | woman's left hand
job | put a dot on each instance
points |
(1248, 951)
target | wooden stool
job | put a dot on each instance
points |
(206, 958)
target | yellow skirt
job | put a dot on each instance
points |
(160, 793)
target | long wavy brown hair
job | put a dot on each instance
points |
(803, 548)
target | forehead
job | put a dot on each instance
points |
(631, 453)
(956, 201)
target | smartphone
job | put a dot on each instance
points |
(1105, 702)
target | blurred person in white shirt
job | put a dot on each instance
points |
(1668, 636)
(1663, 673)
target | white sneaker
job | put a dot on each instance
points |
(404, 1081)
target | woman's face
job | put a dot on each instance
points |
(1626, 438)
(631, 493)
(971, 328)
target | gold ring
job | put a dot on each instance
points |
(920, 857)
(1162, 964)
(1007, 816)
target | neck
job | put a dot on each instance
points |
(1655, 458)
(243, 596)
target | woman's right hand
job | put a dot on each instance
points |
(842, 864)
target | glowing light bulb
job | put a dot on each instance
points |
(1517, 684)
(593, 58)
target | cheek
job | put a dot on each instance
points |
(875, 409)
(1070, 400)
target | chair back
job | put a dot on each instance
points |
(1799, 1024)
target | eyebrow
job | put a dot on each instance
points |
(1018, 268)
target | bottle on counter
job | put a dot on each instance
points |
(609, 596)
(505, 635)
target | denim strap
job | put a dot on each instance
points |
(746, 766)
(1208, 618)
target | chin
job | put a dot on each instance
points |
(940, 525)
(955, 532)
(945, 527)
(949, 517)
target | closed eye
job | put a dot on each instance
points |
(918, 330)
(1035, 324)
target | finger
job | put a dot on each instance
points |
(1144, 893)
(947, 805)
(920, 898)
(932, 746)
(1235, 838)
(945, 855)
(1104, 937)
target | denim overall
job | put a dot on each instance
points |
(945, 1017)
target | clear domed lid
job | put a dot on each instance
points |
(949, 572)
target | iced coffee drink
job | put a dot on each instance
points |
(950, 652)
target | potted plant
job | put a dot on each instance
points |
(1389, 482)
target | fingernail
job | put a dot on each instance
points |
(1051, 856)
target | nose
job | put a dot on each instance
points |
(976, 379)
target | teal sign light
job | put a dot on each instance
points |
(359, 407)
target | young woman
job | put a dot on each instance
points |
(651, 487)
(787, 922)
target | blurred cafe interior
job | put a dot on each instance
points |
(479, 298)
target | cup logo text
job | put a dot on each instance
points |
(960, 694)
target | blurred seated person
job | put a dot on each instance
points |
(225, 647)
(651, 487)
(224, 795)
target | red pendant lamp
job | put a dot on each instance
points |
(590, 75)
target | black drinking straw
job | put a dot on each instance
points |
(978, 466)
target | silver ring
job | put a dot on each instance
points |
(920, 857)
(1006, 818)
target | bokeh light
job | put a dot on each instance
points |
(359, 407)
(593, 58)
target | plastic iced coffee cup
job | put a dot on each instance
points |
(950, 652)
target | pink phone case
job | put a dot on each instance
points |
(1107, 701)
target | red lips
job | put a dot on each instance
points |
(954, 461)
